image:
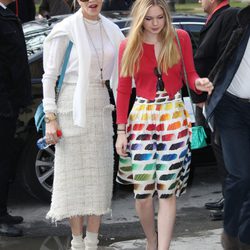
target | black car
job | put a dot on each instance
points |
(36, 167)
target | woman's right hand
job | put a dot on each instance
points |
(121, 144)
(52, 135)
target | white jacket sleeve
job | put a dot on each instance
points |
(52, 64)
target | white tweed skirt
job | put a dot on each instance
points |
(83, 171)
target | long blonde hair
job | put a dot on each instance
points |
(169, 54)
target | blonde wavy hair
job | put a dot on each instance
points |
(169, 54)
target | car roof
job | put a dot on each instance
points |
(117, 17)
(43, 26)
(186, 18)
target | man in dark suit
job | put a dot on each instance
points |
(213, 39)
(49, 8)
(228, 109)
(24, 9)
(15, 92)
(117, 4)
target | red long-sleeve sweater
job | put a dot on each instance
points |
(145, 79)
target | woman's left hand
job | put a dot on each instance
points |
(203, 84)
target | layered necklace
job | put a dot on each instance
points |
(100, 59)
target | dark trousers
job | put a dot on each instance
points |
(7, 132)
(218, 153)
(216, 146)
(232, 118)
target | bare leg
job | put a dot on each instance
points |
(76, 224)
(145, 211)
(166, 221)
(91, 240)
(94, 223)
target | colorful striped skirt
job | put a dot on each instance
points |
(159, 156)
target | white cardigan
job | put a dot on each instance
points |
(73, 27)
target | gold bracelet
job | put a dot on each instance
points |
(49, 117)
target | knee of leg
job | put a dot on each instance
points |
(146, 202)
(168, 201)
(242, 180)
(246, 182)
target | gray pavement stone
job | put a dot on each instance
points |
(122, 230)
(207, 240)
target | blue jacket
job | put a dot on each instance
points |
(228, 64)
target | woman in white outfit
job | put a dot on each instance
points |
(83, 174)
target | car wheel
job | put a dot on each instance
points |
(37, 168)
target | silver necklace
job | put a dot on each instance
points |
(99, 60)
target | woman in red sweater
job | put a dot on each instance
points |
(153, 143)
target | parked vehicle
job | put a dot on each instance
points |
(36, 166)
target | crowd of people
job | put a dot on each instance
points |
(25, 10)
(153, 141)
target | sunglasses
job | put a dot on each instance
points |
(160, 83)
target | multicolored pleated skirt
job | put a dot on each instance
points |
(159, 156)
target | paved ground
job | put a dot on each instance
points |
(122, 230)
(205, 240)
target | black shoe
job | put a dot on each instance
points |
(217, 215)
(10, 220)
(217, 205)
(10, 231)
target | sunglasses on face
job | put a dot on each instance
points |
(85, 1)
(160, 83)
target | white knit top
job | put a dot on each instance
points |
(55, 59)
(73, 28)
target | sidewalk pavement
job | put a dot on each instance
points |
(207, 240)
(194, 230)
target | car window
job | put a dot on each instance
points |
(193, 30)
(125, 31)
(34, 41)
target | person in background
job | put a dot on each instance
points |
(49, 8)
(228, 109)
(15, 93)
(24, 9)
(213, 39)
(117, 4)
(83, 177)
(153, 143)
